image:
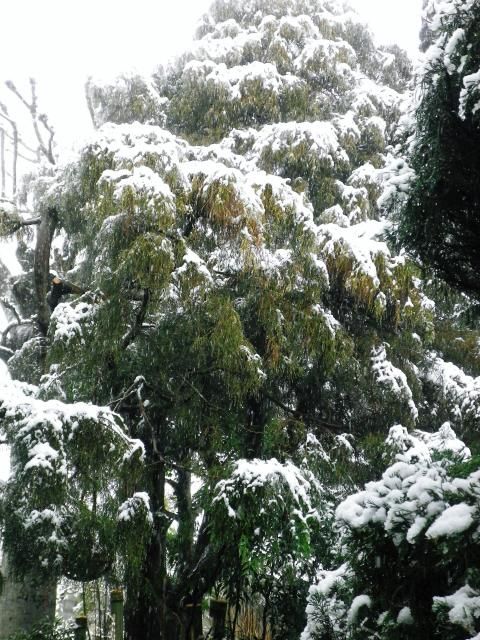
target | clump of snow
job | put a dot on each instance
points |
(69, 321)
(41, 455)
(357, 604)
(405, 616)
(137, 505)
(394, 379)
(455, 519)
(463, 607)
(460, 390)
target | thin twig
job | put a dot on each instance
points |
(45, 148)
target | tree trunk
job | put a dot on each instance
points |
(24, 603)
(145, 610)
(254, 428)
(41, 267)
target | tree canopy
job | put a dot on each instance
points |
(243, 336)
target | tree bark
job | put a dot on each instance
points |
(24, 603)
(41, 267)
(145, 607)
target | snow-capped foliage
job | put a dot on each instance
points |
(50, 479)
(391, 378)
(248, 319)
(249, 476)
(406, 525)
(453, 389)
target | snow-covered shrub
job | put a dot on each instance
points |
(410, 544)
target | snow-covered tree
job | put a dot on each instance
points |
(411, 544)
(242, 317)
(438, 212)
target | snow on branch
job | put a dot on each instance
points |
(23, 415)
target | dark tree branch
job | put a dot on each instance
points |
(41, 266)
(323, 424)
(5, 353)
(137, 325)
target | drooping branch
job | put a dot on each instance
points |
(9, 306)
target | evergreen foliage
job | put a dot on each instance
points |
(404, 576)
(188, 425)
(438, 200)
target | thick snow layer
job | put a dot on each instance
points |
(453, 520)
(30, 416)
(69, 321)
(463, 607)
(412, 498)
(248, 475)
(392, 378)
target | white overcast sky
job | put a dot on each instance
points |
(62, 42)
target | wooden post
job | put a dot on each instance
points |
(116, 605)
(218, 613)
(80, 631)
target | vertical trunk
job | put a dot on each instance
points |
(191, 615)
(25, 603)
(255, 428)
(186, 520)
(145, 611)
(45, 232)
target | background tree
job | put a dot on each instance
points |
(438, 219)
(28, 589)
(412, 522)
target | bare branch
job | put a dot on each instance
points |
(2, 161)
(45, 148)
(9, 84)
(22, 144)
(11, 307)
(13, 124)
